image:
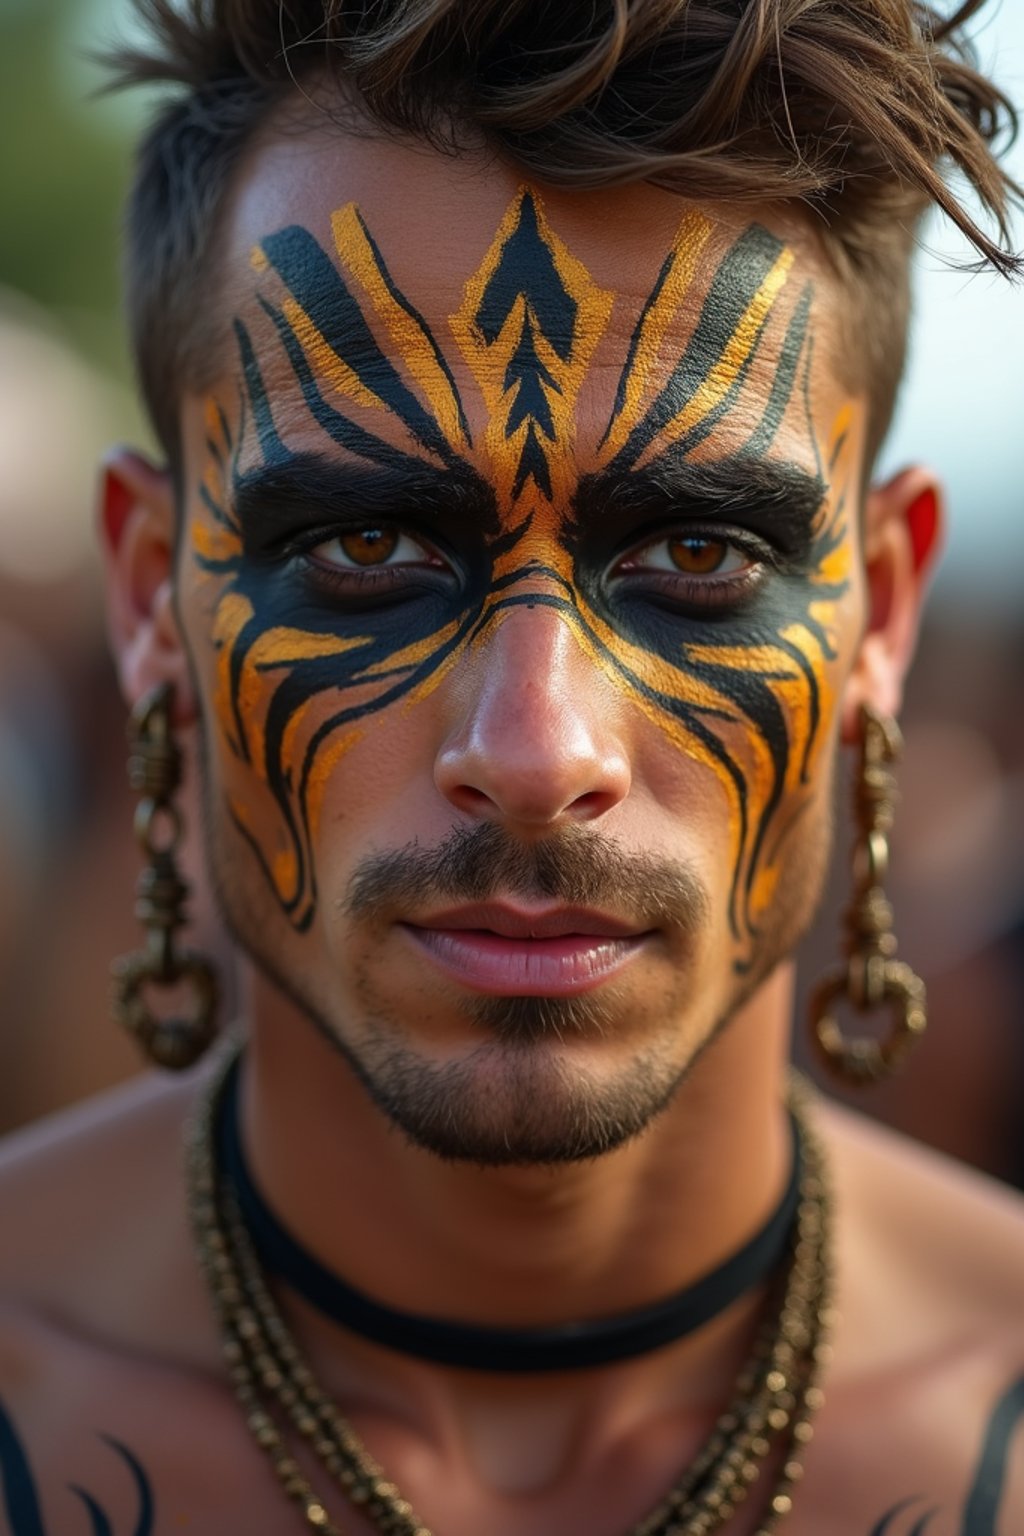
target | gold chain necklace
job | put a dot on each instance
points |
(775, 1397)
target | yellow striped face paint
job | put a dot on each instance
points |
(696, 540)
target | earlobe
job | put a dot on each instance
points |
(903, 527)
(136, 517)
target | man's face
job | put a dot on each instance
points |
(520, 580)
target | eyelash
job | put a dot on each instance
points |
(711, 590)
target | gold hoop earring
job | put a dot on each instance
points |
(872, 977)
(154, 770)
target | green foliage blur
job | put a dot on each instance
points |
(64, 168)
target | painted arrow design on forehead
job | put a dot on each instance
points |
(746, 699)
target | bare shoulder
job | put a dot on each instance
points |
(931, 1255)
(939, 1218)
(94, 1218)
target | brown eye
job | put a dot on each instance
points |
(369, 549)
(697, 557)
(369, 546)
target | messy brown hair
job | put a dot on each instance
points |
(859, 108)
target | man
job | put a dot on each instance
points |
(514, 582)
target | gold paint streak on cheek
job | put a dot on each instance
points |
(410, 656)
(325, 361)
(258, 259)
(841, 427)
(213, 482)
(253, 696)
(798, 700)
(282, 865)
(214, 543)
(284, 869)
(279, 648)
(214, 424)
(282, 647)
(328, 758)
(836, 565)
(726, 370)
(763, 889)
(356, 255)
(211, 417)
(290, 736)
(232, 614)
(690, 242)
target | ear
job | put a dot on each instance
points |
(136, 518)
(904, 522)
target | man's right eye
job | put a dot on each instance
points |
(372, 548)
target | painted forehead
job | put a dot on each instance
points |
(515, 357)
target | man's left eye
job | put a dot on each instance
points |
(370, 548)
(690, 554)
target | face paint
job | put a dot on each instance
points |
(739, 685)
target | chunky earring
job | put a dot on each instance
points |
(872, 977)
(154, 771)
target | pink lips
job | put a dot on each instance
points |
(510, 952)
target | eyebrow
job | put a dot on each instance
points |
(277, 500)
(780, 498)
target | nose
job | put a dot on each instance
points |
(537, 737)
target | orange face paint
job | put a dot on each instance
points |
(744, 690)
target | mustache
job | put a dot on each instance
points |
(575, 867)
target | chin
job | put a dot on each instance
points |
(537, 1096)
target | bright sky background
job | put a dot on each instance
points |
(962, 406)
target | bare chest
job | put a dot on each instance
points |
(115, 1449)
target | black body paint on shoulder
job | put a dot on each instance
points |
(21, 1498)
(981, 1511)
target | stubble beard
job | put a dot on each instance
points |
(520, 1098)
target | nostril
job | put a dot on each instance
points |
(589, 806)
(466, 798)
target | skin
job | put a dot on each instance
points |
(540, 684)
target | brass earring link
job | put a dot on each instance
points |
(154, 771)
(872, 978)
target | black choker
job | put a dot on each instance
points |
(565, 1347)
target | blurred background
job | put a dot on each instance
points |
(67, 859)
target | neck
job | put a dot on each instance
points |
(508, 1247)
(523, 1247)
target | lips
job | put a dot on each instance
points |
(506, 951)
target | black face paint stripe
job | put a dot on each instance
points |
(808, 409)
(527, 269)
(270, 444)
(340, 428)
(414, 315)
(526, 273)
(318, 286)
(634, 346)
(761, 440)
(299, 908)
(214, 508)
(737, 279)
